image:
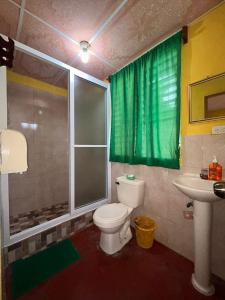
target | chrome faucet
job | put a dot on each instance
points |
(219, 189)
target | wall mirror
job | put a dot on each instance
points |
(207, 99)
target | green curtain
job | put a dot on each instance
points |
(145, 99)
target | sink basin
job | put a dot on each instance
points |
(196, 188)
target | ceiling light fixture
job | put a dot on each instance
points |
(84, 54)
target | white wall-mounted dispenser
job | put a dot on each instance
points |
(13, 152)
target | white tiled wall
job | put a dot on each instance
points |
(165, 204)
(46, 181)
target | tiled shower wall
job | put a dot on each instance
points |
(43, 118)
(165, 204)
(46, 238)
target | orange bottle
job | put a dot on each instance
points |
(215, 170)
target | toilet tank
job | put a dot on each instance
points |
(130, 192)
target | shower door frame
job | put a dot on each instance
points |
(73, 212)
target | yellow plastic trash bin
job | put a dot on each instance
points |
(145, 231)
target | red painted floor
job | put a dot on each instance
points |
(132, 274)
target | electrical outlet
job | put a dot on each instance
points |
(218, 130)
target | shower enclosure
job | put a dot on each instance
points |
(63, 114)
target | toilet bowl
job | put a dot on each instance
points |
(113, 219)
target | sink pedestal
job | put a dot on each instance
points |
(204, 193)
(202, 248)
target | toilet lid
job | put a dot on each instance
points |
(111, 212)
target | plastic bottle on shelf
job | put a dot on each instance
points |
(215, 170)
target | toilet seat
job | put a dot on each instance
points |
(110, 215)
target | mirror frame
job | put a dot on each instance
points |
(208, 78)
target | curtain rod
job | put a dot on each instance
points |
(184, 30)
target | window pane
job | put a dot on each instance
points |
(89, 113)
(90, 175)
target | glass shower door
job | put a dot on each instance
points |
(37, 106)
(90, 142)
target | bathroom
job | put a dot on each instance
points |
(71, 60)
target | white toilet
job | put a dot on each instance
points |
(114, 219)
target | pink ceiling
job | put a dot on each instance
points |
(44, 39)
(9, 17)
(50, 25)
(78, 19)
(142, 23)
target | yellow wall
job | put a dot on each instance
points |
(202, 56)
(34, 83)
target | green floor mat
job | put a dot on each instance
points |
(28, 273)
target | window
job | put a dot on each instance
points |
(146, 108)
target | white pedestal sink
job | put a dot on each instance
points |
(201, 191)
